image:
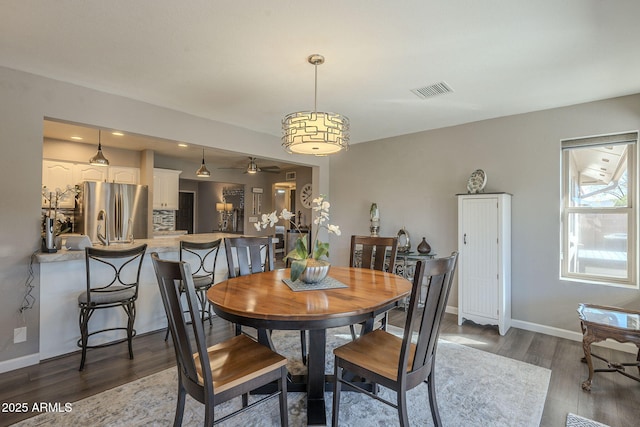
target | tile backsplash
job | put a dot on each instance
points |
(164, 220)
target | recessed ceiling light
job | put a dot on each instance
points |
(77, 138)
(117, 133)
(182, 145)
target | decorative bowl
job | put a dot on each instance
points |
(315, 271)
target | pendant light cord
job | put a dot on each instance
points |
(315, 95)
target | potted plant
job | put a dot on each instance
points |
(310, 267)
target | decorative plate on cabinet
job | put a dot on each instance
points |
(477, 181)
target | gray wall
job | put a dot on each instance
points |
(414, 179)
(26, 100)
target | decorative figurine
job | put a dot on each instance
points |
(374, 214)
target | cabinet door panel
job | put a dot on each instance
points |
(56, 174)
(480, 257)
(166, 184)
(124, 175)
(90, 173)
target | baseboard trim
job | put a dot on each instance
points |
(451, 309)
(572, 335)
(19, 362)
(561, 333)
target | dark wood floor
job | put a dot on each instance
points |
(614, 400)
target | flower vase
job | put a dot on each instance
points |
(315, 271)
(424, 247)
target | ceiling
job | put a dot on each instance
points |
(214, 157)
(245, 63)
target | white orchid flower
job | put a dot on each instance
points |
(273, 218)
(286, 215)
(335, 229)
(257, 225)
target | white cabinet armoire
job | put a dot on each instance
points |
(484, 263)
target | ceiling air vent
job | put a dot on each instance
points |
(432, 90)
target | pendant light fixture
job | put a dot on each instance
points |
(203, 172)
(99, 159)
(315, 132)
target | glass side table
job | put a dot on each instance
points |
(599, 323)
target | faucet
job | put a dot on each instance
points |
(130, 235)
(104, 238)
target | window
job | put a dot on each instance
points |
(599, 209)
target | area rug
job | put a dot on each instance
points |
(574, 420)
(475, 388)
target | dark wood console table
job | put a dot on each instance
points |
(601, 322)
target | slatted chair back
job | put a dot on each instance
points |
(425, 322)
(252, 254)
(170, 276)
(373, 252)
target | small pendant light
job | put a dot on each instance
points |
(203, 172)
(99, 159)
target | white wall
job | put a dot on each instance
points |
(414, 179)
(26, 101)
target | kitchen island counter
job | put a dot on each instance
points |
(63, 278)
(160, 245)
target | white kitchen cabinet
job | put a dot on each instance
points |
(166, 184)
(87, 172)
(56, 174)
(124, 175)
(484, 264)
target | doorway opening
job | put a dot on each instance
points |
(185, 217)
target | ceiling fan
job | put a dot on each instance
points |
(252, 167)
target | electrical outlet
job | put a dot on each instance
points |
(19, 334)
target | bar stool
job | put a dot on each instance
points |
(113, 277)
(202, 258)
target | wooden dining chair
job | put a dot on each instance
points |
(248, 255)
(202, 258)
(398, 363)
(223, 371)
(249, 259)
(376, 253)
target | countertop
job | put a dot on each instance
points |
(165, 244)
(169, 233)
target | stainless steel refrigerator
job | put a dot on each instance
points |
(112, 213)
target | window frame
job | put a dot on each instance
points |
(566, 210)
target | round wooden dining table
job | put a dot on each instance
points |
(265, 302)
